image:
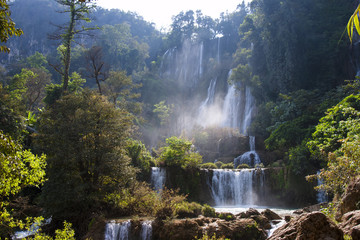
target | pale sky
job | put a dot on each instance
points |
(161, 11)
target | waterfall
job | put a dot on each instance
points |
(321, 195)
(121, 231)
(252, 143)
(117, 231)
(158, 177)
(218, 50)
(201, 59)
(146, 230)
(233, 188)
(238, 107)
(248, 111)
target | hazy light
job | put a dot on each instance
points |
(160, 12)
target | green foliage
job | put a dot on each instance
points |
(140, 156)
(121, 49)
(7, 26)
(67, 233)
(343, 166)
(164, 112)
(208, 211)
(207, 237)
(188, 210)
(121, 91)
(208, 165)
(179, 152)
(85, 138)
(18, 169)
(54, 91)
(227, 166)
(28, 87)
(227, 216)
(219, 164)
(341, 121)
(242, 166)
(353, 22)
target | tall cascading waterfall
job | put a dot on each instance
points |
(122, 231)
(158, 177)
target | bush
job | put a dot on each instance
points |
(228, 166)
(179, 152)
(208, 165)
(219, 164)
(208, 211)
(188, 210)
(227, 216)
(243, 165)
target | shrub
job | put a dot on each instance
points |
(243, 165)
(226, 216)
(209, 165)
(219, 164)
(208, 211)
(186, 209)
(228, 166)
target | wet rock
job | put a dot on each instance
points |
(350, 224)
(308, 226)
(287, 218)
(270, 214)
(349, 199)
(248, 213)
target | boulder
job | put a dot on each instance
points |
(270, 214)
(248, 213)
(350, 224)
(308, 226)
(184, 229)
(349, 199)
(240, 229)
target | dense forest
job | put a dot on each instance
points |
(91, 99)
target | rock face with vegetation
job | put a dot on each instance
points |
(350, 200)
(308, 226)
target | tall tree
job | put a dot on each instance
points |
(7, 26)
(85, 138)
(79, 11)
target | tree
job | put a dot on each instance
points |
(18, 169)
(179, 152)
(120, 89)
(78, 12)
(96, 66)
(353, 22)
(7, 26)
(84, 137)
(28, 87)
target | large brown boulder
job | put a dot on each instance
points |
(184, 229)
(308, 226)
(350, 224)
(349, 199)
(270, 215)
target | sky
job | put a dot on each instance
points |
(161, 11)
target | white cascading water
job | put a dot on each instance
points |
(121, 231)
(158, 177)
(146, 230)
(117, 231)
(232, 188)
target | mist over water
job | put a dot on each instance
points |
(205, 97)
